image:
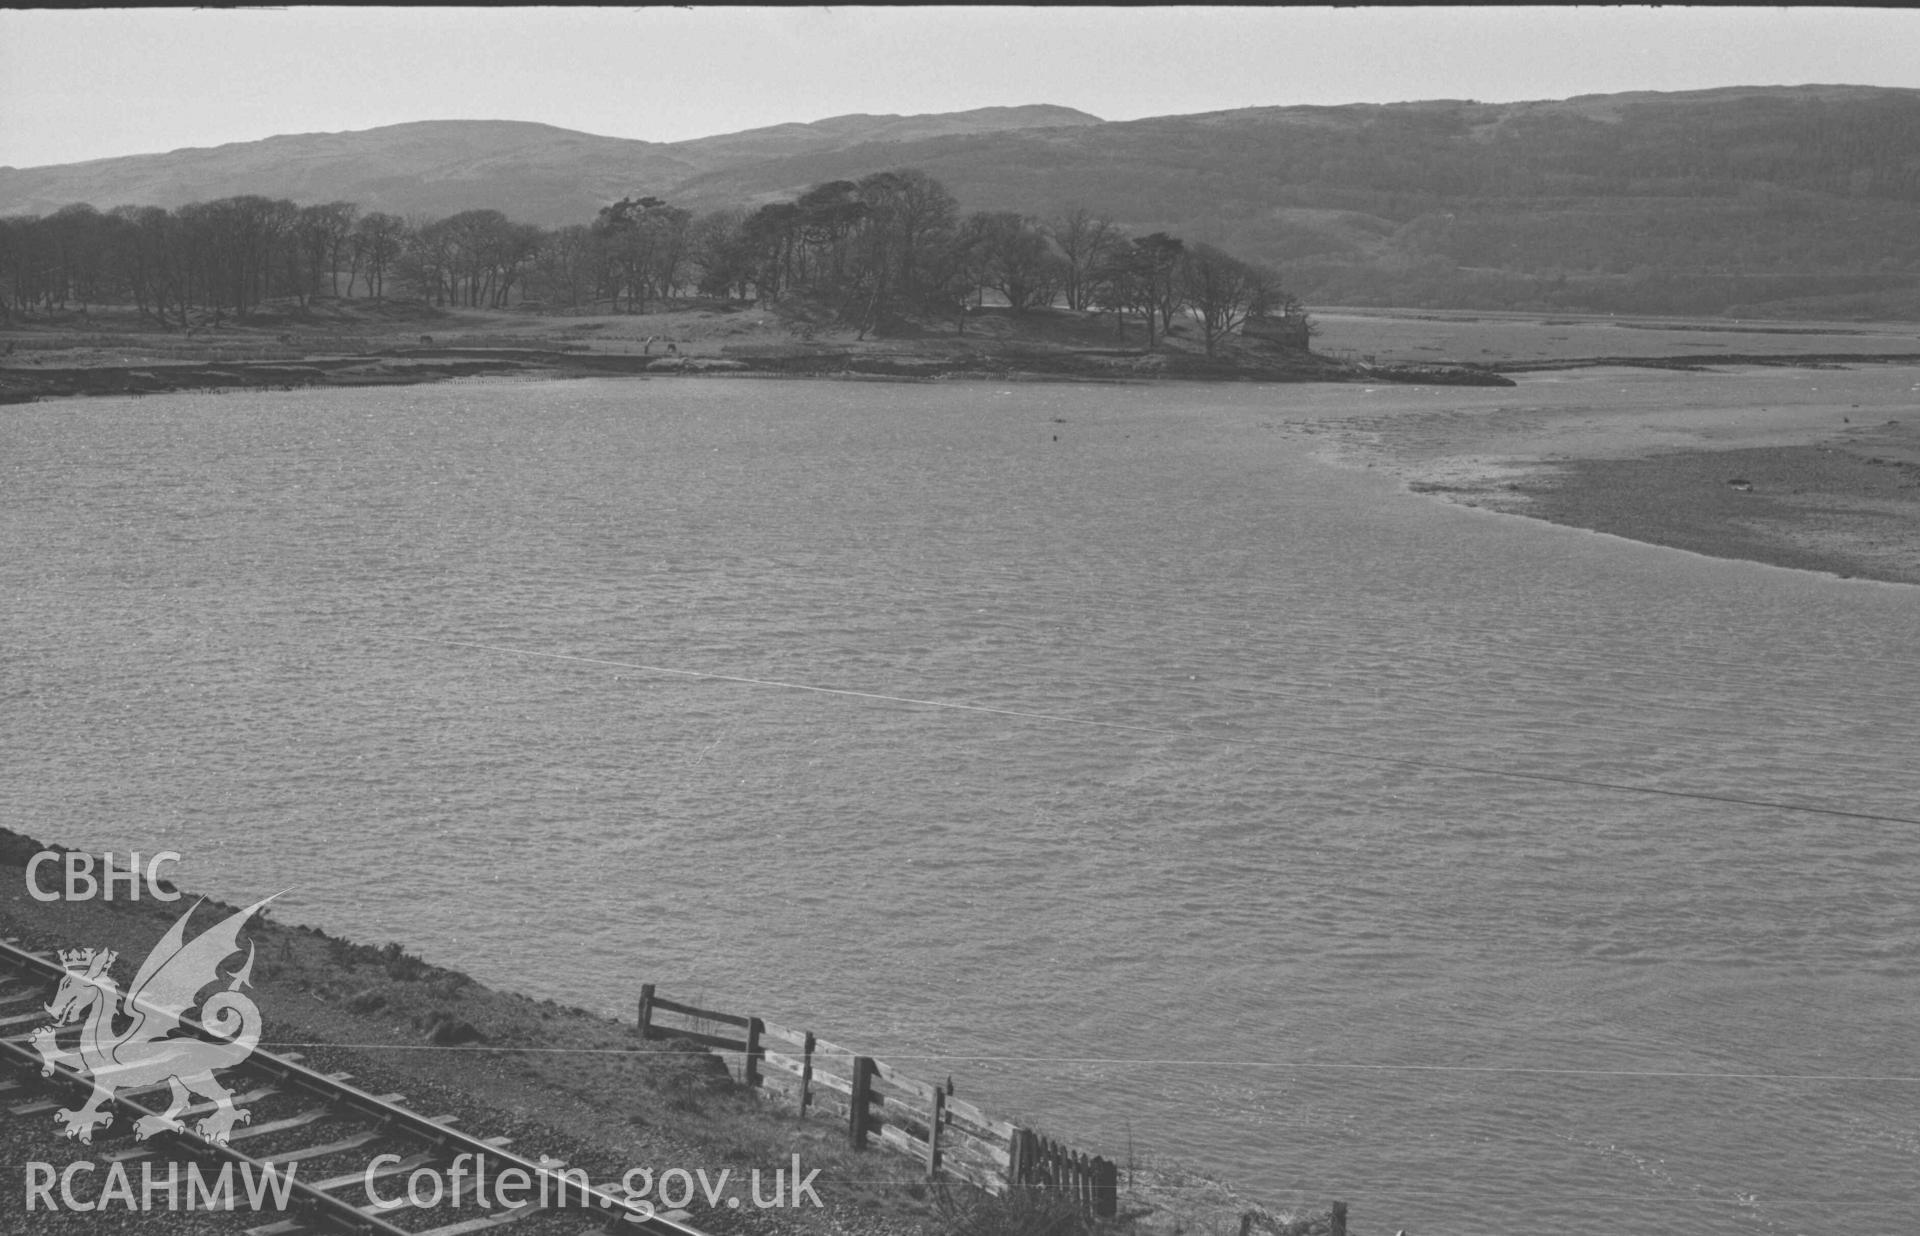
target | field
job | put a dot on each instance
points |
(362, 342)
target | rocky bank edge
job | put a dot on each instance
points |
(20, 385)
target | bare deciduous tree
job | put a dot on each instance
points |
(1221, 291)
(1018, 259)
(1085, 240)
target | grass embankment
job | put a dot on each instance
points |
(560, 1081)
(364, 343)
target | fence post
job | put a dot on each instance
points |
(1106, 1188)
(933, 1132)
(646, 1010)
(857, 1103)
(1020, 1150)
(806, 1074)
(750, 1067)
(1338, 1224)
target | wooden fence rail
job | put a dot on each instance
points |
(880, 1104)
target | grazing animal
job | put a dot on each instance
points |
(426, 339)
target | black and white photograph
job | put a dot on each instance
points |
(960, 621)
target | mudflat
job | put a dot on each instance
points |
(1800, 449)
(1849, 505)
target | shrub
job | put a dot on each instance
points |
(1019, 1212)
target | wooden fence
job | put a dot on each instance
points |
(882, 1105)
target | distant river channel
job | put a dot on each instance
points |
(1175, 790)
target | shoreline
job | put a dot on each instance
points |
(1845, 504)
(412, 366)
(20, 384)
(1838, 503)
(1708, 362)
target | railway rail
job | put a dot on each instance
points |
(299, 1116)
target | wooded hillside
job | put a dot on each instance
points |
(1750, 201)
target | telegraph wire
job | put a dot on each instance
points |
(1159, 731)
(1169, 1062)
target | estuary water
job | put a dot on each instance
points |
(1177, 791)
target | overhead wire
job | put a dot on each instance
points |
(1161, 731)
(1165, 1062)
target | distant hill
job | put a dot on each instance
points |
(1755, 200)
(843, 132)
(1752, 200)
(534, 173)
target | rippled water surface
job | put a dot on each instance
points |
(1263, 840)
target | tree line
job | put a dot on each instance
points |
(891, 244)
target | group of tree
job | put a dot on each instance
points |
(217, 257)
(888, 245)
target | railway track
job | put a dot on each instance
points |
(333, 1142)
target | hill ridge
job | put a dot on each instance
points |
(1727, 198)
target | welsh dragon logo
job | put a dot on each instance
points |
(153, 1047)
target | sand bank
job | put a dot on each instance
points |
(1812, 468)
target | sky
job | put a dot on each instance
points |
(88, 84)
